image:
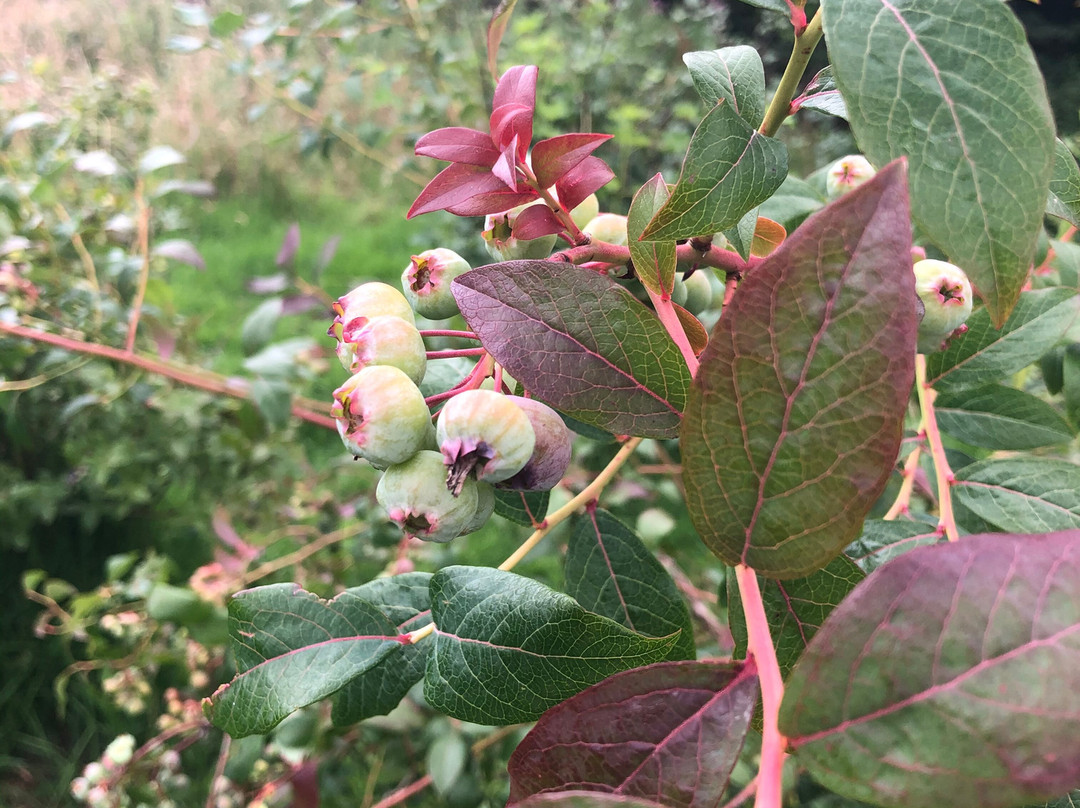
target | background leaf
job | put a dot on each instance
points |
(735, 75)
(670, 732)
(729, 169)
(795, 417)
(292, 649)
(526, 508)
(999, 417)
(1064, 201)
(1022, 494)
(506, 648)
(580, 342)
(987, 354)
(955, 89)
(611, 572)
(882, 541)
(962, 671)
(796, 609)
(405, 602)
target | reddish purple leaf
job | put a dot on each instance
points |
(580, 342)
(268, 284)
(289, 245)
(467, 191)
(795, 417)
(536, 221)
(552, 158)
(585, 799)
(950, 676)
(458, 145)
(588, 176)
(517, 86)
(505, 167)
(500, 18)
(669, 732)
(510, 122)
(298, 304)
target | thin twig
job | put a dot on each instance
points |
(219, 769)
(942, 472)
(144, 272)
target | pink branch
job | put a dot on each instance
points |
(670, 319)
(444, 333)
(942, 471)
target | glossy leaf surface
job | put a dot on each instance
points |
(729, 169)
(526, 508)
(506, 648)
(580, 342)
(610, 572)
(954, 88)
(554, 158)
(795, 418)
(292, 649)
(951, 676)
(670, 732)
(882, 541)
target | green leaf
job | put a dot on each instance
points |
(526, 508)
(999, 417)
(741, 236)
(405, 602)
(446, 760)
(1070, 381)
(1064, 201)
(273, 399)
(959, 674)
(792, 203)
(258, 327)
(730, 168)
(580, 342)
(986, 354)
(159, 157)
(1022, 494)
(1070, 800)
(506, 648)
(610, 572)
(955, 88)
(795, 417)
(795, 609)
(227, 23)
(654, 261)
(735, 75)
(293, 649)
(882, 541)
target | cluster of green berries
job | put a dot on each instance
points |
(438, 479)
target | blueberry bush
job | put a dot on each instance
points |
(862, 386)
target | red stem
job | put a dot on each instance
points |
(193, 377)
(444, 333)
(447, 354)
(602, 251)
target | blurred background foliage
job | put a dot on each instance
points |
(266, 147)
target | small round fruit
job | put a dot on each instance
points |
(945, 292)
(501, 243)
(551, 451)
(485, 506)
(847, 174)
(678, 290)
(383, 340)
(381, 415)
(609, 227)
(699, 292)
(414, 495)
(372, 299)
(426, 282)
(587, 210)
(486, 433)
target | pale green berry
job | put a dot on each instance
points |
(587, 210)
(847, 174)
(945, 292)
(381, 415)
(365, 302)
(699, 292)
(485, 506)
(501, 243)
(383, 340)
(414, 495)
(551, 450)
(484, 433)
(678, 290)
(609, 227)
(426, 282)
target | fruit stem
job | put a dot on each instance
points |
(780, 106)
(438, 332)
(760, 647)
(942, 472)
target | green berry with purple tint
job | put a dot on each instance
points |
(551, 449)
(483, 434)
(414, 495)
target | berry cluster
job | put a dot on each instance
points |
(438, 480)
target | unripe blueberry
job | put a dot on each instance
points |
(587, 210)
(945, 292)
(609, 227)
(385, 340)
(415, 496)
(484, 432)
(426, 282)
(847, 174)
(501, 243)
(485, 506)
(381, 415)
(368, 300)
(678, 290)
(551, 450)
(699, 292)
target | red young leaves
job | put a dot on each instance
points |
(794, 420)
(489, 172)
